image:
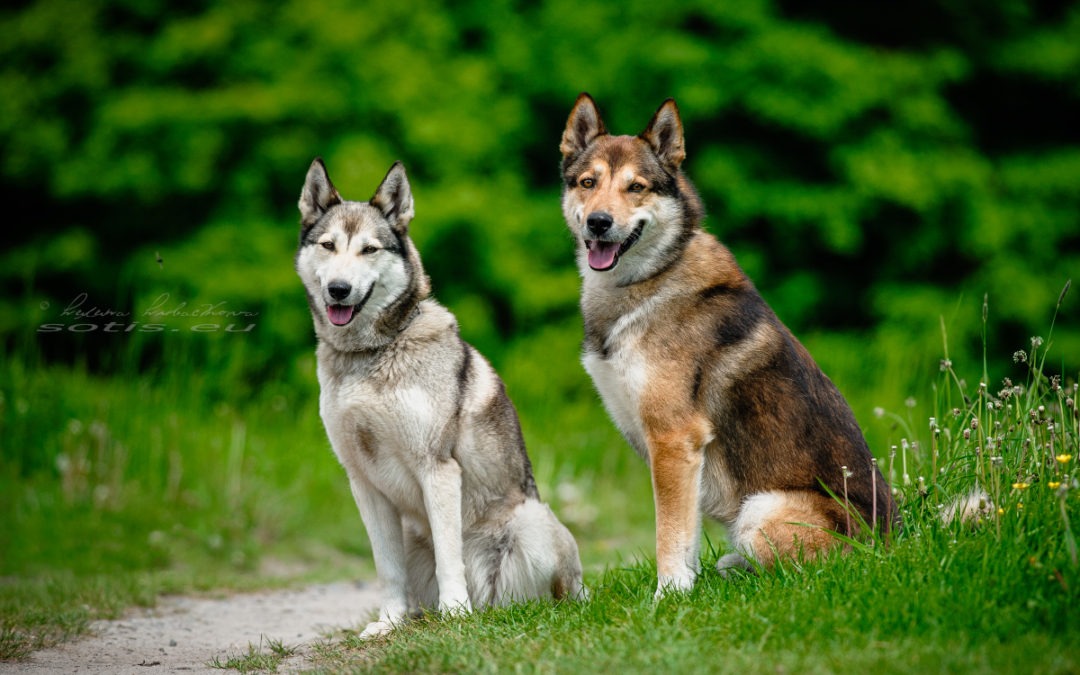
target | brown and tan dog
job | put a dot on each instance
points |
(733, 416)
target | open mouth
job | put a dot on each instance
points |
(604, 255)
(341, 315)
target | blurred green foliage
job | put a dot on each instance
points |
(874, 167)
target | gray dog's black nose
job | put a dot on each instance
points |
(599, 223)
(339, 290)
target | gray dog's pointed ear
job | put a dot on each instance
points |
(665, 135)
(583, 125)
(318, 194)
(394, 198)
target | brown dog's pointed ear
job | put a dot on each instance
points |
(582, 127)
(665, 135)
(394, 198)
(317, 195)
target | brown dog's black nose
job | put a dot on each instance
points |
(339, 290)
(599, 223)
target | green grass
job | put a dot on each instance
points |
(116, 489)
(257, 658)
(923, 606)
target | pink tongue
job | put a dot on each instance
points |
(340, 314)
(602, 254)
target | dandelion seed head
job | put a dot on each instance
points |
(910, 401)
(1036, 342)
(879, 412)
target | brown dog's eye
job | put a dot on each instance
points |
(328, 245)
(368, 249)
(587, 183)
(637, 187)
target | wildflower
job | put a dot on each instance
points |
(1020, 486)
(974, 422)
(879, 412)
(1036, 342)
(945, 365)
(1019, 506)
(1020, 356)
(1063, 459)
(1053, 485)
(1001, 511)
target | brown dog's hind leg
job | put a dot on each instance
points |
(780, 524)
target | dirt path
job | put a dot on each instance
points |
(184, 635)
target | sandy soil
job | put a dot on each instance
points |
(184, 635)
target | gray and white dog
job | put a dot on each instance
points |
(419, 419)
